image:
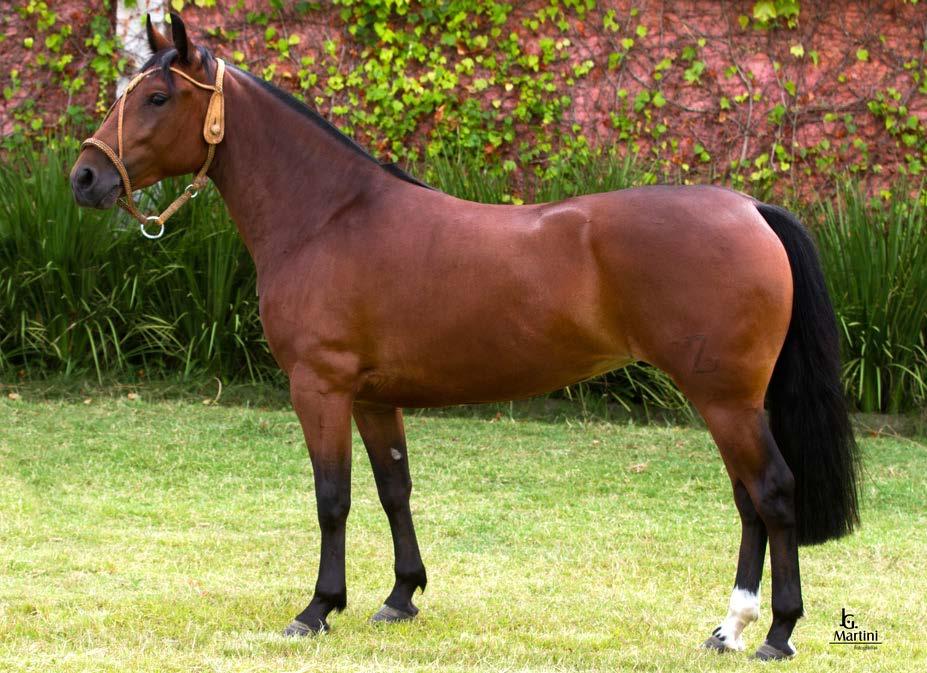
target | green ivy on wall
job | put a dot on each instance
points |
(54, 46)
(415, 80)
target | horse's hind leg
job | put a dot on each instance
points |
(383, 435)
(744, 606)
(756, 466)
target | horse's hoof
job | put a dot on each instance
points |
(390, 614)
(298, 629)
(768, 652)
(719, 642)
(715, 644)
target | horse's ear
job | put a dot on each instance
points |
(179, 33)
(156, 41)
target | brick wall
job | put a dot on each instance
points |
(851, 52)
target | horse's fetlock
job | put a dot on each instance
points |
(414, 578)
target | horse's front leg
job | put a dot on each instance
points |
(381, 429)
(326, 421)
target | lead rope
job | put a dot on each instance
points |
(213, 132)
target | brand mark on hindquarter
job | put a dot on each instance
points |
(702, 364)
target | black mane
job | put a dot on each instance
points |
(332, 130)
(165, 58)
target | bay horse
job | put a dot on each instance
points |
(378, 293)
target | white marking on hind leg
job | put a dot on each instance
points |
(744, 608)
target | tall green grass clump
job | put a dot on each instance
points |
(874, 253)
(81, 291)
(57, 278)
(465, 177)
(606, 172)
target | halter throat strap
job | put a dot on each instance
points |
(213, 133)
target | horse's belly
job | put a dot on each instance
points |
(494, 377)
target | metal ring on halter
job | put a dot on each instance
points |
(192, 190)
(152, 218)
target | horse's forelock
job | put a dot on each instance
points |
(165, 58)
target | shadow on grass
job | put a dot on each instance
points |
(552, 408)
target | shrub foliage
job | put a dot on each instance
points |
(81, 292)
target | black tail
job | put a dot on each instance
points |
(807, 410)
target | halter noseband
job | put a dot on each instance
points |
(213, 132)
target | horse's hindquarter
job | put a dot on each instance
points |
(710, 287)
(438, 301)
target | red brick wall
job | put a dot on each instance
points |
(892, 33)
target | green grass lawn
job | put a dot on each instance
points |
(169, 536)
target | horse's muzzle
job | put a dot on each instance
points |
(95, 186)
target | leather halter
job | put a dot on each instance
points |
(213, 132)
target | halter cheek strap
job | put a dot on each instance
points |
(213, 133)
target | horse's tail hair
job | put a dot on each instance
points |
(807, 409)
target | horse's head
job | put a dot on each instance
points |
(164, 124)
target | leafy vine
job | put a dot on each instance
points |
(762, 99)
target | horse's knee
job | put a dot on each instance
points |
(333, 504)
(395, 494)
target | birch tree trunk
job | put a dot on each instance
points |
(130, 29)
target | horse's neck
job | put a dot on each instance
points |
(281, 175)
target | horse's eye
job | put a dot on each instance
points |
(157, 99)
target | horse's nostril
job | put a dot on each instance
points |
(85, 177)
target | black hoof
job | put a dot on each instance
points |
(390, 614)
(715, 644)
(769, 652)
(297, 629)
